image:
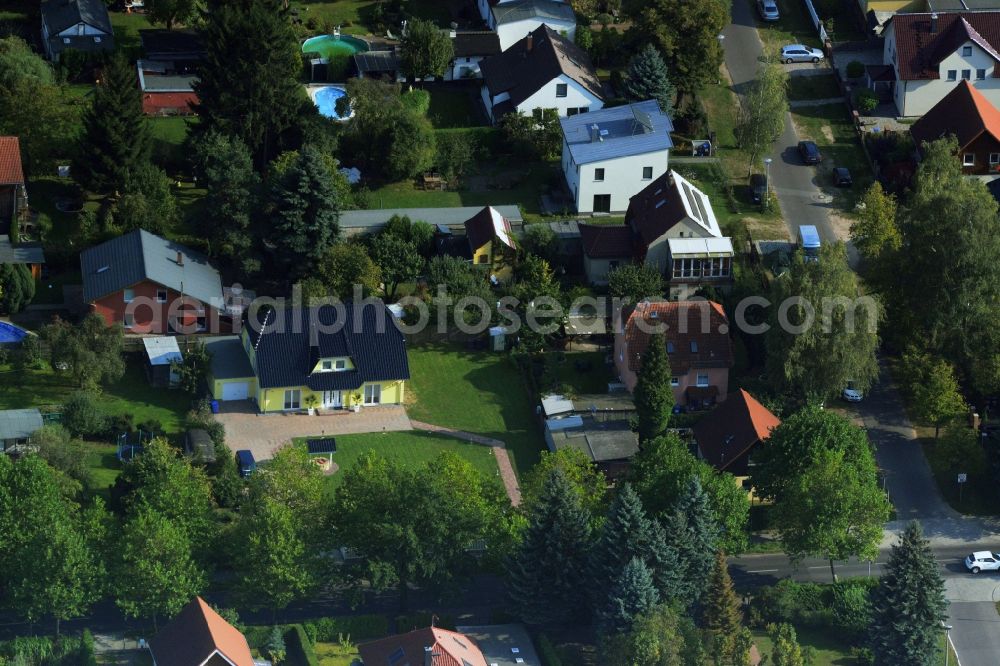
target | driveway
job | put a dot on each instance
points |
(263, 434)
(800, 199)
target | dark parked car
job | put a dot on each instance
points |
(842, 177)
(758, 187)
(245, 463)
(810, 152)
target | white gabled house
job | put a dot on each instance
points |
(543, 70)
(470, 48)
(931, 53)
(609, 156)
(513, 19)
(80, 25)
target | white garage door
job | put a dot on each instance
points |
(235, 391)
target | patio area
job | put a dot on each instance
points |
(263, 434)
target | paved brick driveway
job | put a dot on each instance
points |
(263, 434)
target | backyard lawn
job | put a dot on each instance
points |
(830, 126)
(823, 86)
(357, 17)
(582, 372)
(132, 394)
(477, 392)
(454, 108)
(829, 651)
(331, 654)
(412, 448)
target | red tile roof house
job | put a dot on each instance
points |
(728, 436)
(13, 196)
(966, 114)
(198, 636)
(423, 647)
(698, 347)
(152, 285)
(931, 53)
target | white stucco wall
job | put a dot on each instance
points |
(658, 253)
(511, 33)
(462, 63)
(576, 97)
(81, 29)
(622, 178)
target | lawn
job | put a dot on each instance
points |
(830, 126)
(132, 394)
(794, 27)
(829, 650)
(762, 224)
(357, 17)
(331, 654)
(823, 86)
(127, 27)
(103, 464)
(580, 379)
(168, 136)
(411, 448)
(533, 180)
(478, 392)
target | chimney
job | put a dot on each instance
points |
(934, 23)
(454, 30)
(595, 133)
(429, 655)
(529, 41)
(180, 258)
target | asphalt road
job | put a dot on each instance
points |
(975, 633)
(800, 199)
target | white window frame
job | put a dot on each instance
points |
(340, 364)
(161, 291)
(675, 382)
(293, 399)
(968, 159)
(128, 295)
(326, 365)
(128, 321)
(373, 394)
(994, 159)
(702, 381)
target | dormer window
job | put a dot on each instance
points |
(966, 51)
(326, 366)
(332, 365)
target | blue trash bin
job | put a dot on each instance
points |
(215, 406)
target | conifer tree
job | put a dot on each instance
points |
(786, 650)
(256, 96)
(626, 534)
(647, 79)
(721, 606)
(547, 574)
(692, 531)
(633, 595)
(115, 137)
(909, 604)
(654, 398)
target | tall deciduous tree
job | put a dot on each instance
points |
(257, 96)
(762, 111)
(398, 260)
(306, 220)
(425, 50)
(658, 638)
(824, 332)
(654, 396)
(692, 531)
(633, 594)
(546, 576)
(937, 398)
(686, 32)
(660, 474)
(909, 604)
(587, 482)
(90, 351)
(156, 573)
(345, 265)
(875, 232)
(169, 12)
(821, 474)
(116, 138)
(636, 282)
(647, 78)
(223, 164)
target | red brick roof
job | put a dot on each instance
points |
(606, 241)
(697, 332)
(657, 208)
(154, 102)
(919, 51)
(195, 634)
(725, 435)
(448, 648)
(11, 172)
(964, 113)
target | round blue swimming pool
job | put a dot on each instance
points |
(325, 98)
(10, 333)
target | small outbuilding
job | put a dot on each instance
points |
(161, 352)
(198, 445)
(16, 428)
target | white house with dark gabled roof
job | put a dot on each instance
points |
(610, 155)
(81, 25)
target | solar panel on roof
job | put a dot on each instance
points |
(701, 210)
(691, 202)
(643, 119)
(322, 445)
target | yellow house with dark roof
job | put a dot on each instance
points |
(491, 242)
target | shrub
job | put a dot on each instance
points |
(358, 627)
(84, 416)
(87, 656)
(417, 101)
(865, 100)
(298, 649)
(547, 652)
(851, 605)
(792, 602)
(855, 69)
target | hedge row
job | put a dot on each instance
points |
(358, 627)
(547, 652)
(298, 648)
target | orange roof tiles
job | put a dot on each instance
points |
(448, 648)
(11, 172)
(195, 634)
(726, 435)
(964, 113)
(696, 331)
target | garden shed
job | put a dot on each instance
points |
(161, 352)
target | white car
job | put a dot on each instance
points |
(768, 10)
(982, 560)
(800, 53)
(851, 395)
